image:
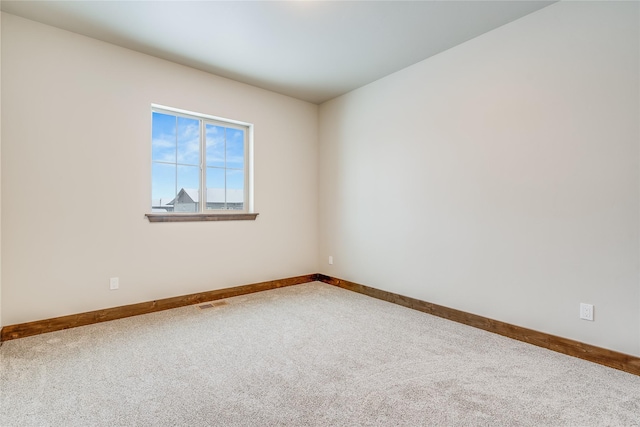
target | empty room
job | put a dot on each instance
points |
(320, 213)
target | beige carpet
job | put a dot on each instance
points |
(308, 355)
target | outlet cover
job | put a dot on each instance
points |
(586, 311)
(114, 283)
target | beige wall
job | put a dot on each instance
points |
(76, 179)
(1, 324)
(500, 177)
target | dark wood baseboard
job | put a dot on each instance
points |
(602, 356)
(37, 327)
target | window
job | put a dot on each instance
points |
(199, 163)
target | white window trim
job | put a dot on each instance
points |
(213, 214)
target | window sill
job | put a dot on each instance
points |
(193, 217)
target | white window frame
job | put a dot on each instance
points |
(205, 119)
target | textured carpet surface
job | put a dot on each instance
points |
(310, 355)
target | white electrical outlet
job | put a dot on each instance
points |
(114, 283)
(330, 260)
(586, 311)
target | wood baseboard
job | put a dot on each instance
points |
(602, 356)
(37, 327)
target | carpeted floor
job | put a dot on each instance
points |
(307, 355)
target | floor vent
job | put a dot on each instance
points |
(211, 305)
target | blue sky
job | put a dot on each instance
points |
(176, 156)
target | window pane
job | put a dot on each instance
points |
(235, 189)
(215, 188)
(215, 145)
(188, 185)
(188, 141)
(235, 148)
(163, 138)
(163, 187)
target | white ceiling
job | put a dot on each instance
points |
(311, 50)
